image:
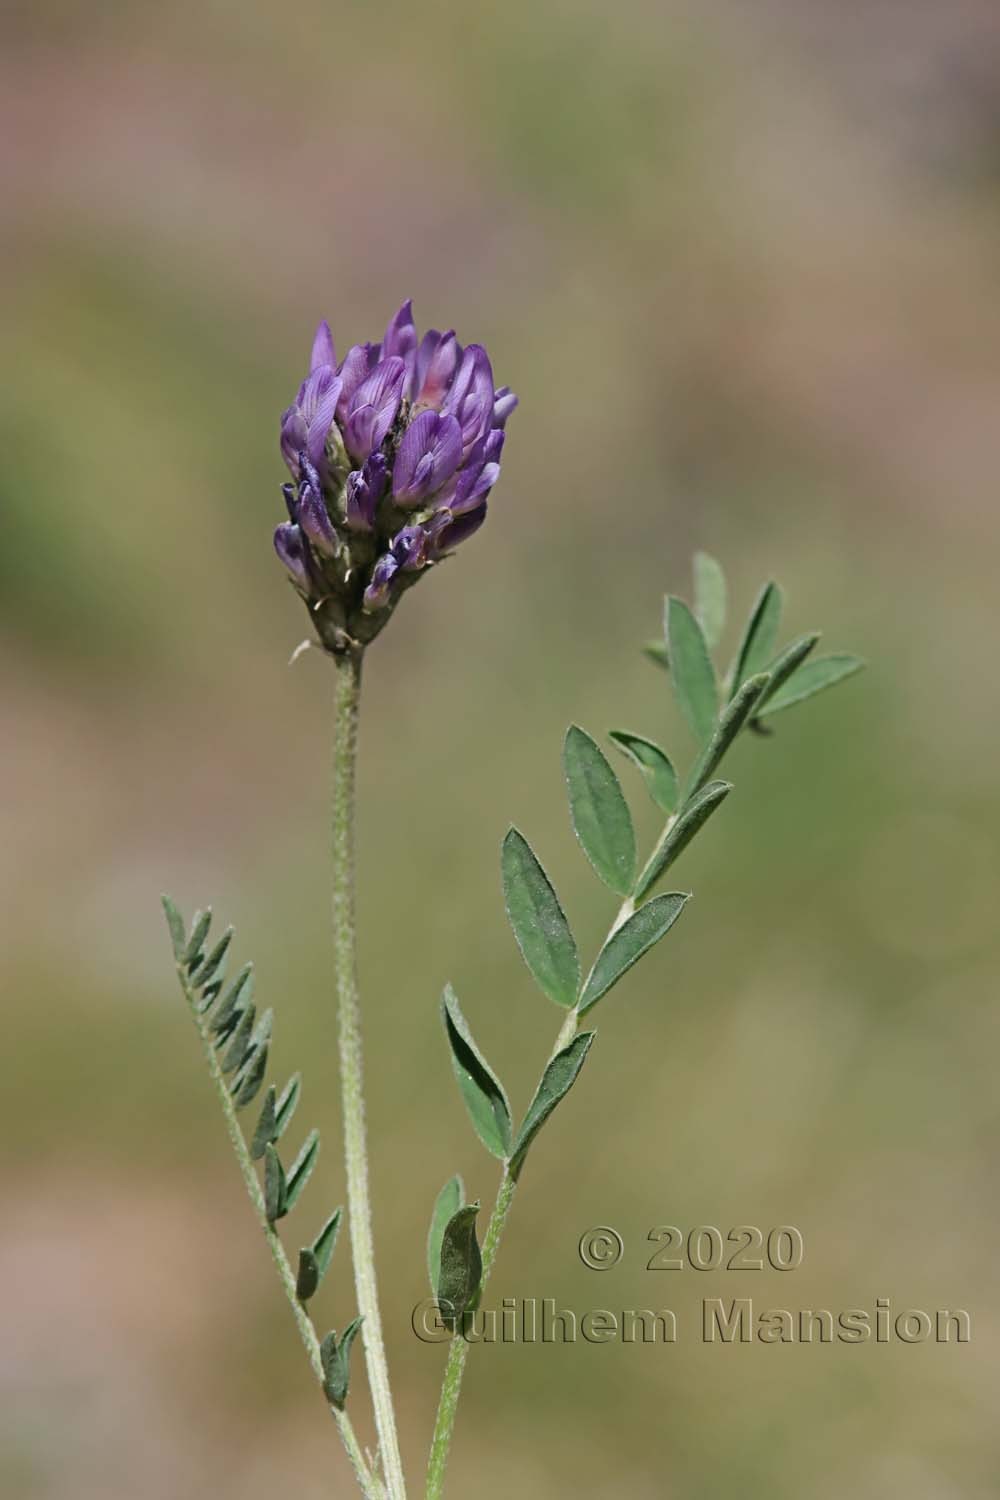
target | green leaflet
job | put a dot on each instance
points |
(814, 677)
(481, 1089)
(175, 926)
(557, 1080)
(250, 1077)
(306, 1276)
(461, 1265)
(315, 1260)
(209, 968)
(199, 932)
(601, 819)
(734, 716)
(446, 1205)
(301, 1170)
(692, 673)
(626, 946)
(233, 1002)
(266, 1129)
(657, 652)
(757, 645)
(539, 924)
(336, 1359)
(240, 1045)
(709, 597)
(285, 1107)
(657, 771)
(275, 1186)
(689, 820)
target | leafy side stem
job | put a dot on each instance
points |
(451, 1385)
(455, 1368)
(368, 1482)
(346, 705)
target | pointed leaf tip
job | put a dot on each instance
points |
(461, 1265)
(759, 636)
(557, 1080)
(625, 947)
(336, 1358)
(811, 678)
(692, 816)
(175, 926)
(301, 1169)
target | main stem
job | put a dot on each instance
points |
(451, 1386)
(347, 700)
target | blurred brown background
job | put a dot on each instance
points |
(741, 264)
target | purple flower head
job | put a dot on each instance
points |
(363, 491)
(372, 408)
(429, 454)
(393, 454)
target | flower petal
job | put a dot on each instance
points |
(437, 361)
(323, 352)
(428, 456)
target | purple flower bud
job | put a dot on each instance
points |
(314, 521)
(305, 426)
(504, 402)
(323, 352)
(365, 488)
(401, 338)
(457, 529)
(436, 363)
(291, 501)
(290, 547)
(409, 548)
(429, 454)
(372, 408)
(479, 474)
(377, 592)
(470, 398)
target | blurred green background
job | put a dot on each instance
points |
(741, 264)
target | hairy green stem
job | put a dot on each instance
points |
(451, 1385)
(369, 1483)
(347, 702)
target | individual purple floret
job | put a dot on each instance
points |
(393, 453)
